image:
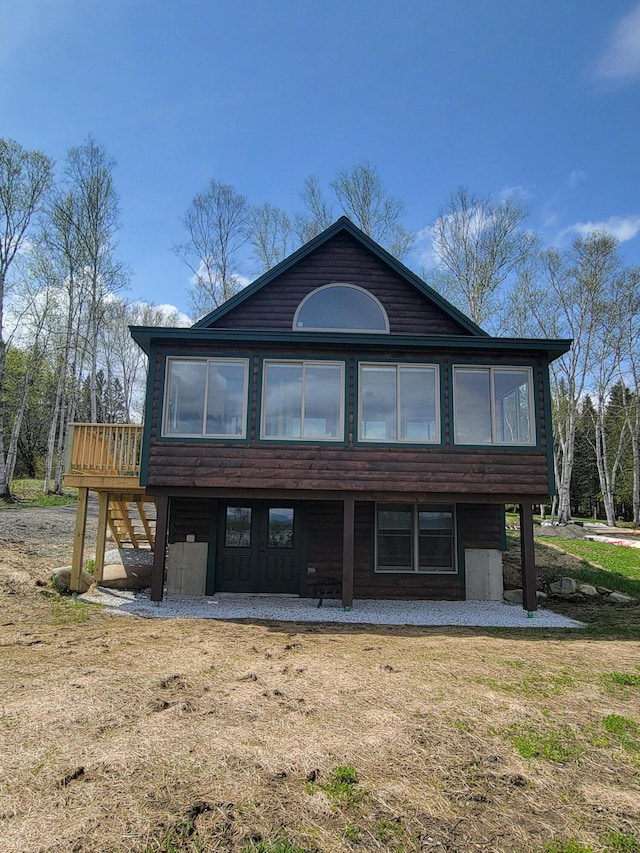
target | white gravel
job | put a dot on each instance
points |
(495, 614)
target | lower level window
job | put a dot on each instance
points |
(415, 538)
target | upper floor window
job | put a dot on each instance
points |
(341, 307)
(207, 397)
(303, 400)
(493, 405)
(398, 402)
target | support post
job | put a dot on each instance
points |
(348, 539)
(101, 538)
(78, 539)
(528, 558)
(159, 548)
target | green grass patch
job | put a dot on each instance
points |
(622, 679)
(615, 559)
(567, 846)
(533, 685)
(30, 493)
(278, 845)
(558, 745)
(342, 786)
(67, 611)
(621, 842)
(624, 730)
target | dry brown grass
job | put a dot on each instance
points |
(124, 734)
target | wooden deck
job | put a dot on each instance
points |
(105, 458)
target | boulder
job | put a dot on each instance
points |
(515, 596)
(566, 586)
(604, 590)
(588, 590)
(119, 576)
(62, 579)
(620, 598)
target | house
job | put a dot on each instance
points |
(337, 427)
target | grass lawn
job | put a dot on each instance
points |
(29, 493)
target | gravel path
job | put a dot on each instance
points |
(493, 614)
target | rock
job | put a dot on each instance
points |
(62, 579)
(117, 576)
(588, 590)
(620, 598)
(604, 590)
(513, 596)
(566, 586)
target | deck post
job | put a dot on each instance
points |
(348, 539)
(528, 558)
(101, 538)
(159, 548)
(78, 540)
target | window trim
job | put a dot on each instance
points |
(343, 284)
(492, 368)
(304, 362)
(399, 441)
(415, 544)
(205, 436)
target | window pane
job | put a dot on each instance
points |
(378, 403)
(472, 406)
(238, 527)
(322, 401)
(226, 401)
(395, 538)
(435, 539)
(512, 409)
(280, 527)
(186, 397)
(418, 404)
(283, 400)
(341, 307)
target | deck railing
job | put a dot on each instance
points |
(105, 449)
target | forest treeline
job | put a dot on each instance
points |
(66, 354)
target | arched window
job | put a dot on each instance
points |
(341, 307)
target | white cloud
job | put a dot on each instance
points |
(168, 310)
(427, 254)
(623, 228)
(575, 177)
(516, 193)
(621, 57)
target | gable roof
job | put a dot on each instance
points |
(343, 225)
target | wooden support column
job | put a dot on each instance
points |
(78, 540)
(348, 540)
(528, 558)
(101, 539)
(160, 547)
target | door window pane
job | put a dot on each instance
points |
(238, 527)
(280, 527)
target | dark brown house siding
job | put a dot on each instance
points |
(478, 526)
(341, 259)
(493, 472)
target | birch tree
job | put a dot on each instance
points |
(269, 232)
(216, 225)
(25, 178)
(479, 243)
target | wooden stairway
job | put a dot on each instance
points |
(132, 522)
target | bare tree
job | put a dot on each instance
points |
(479, 243)
(360, 194)
(25, 178)
(216, 224)
(269, 231)
(571, 297)
(89, 175)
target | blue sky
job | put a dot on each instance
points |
(534, 98)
